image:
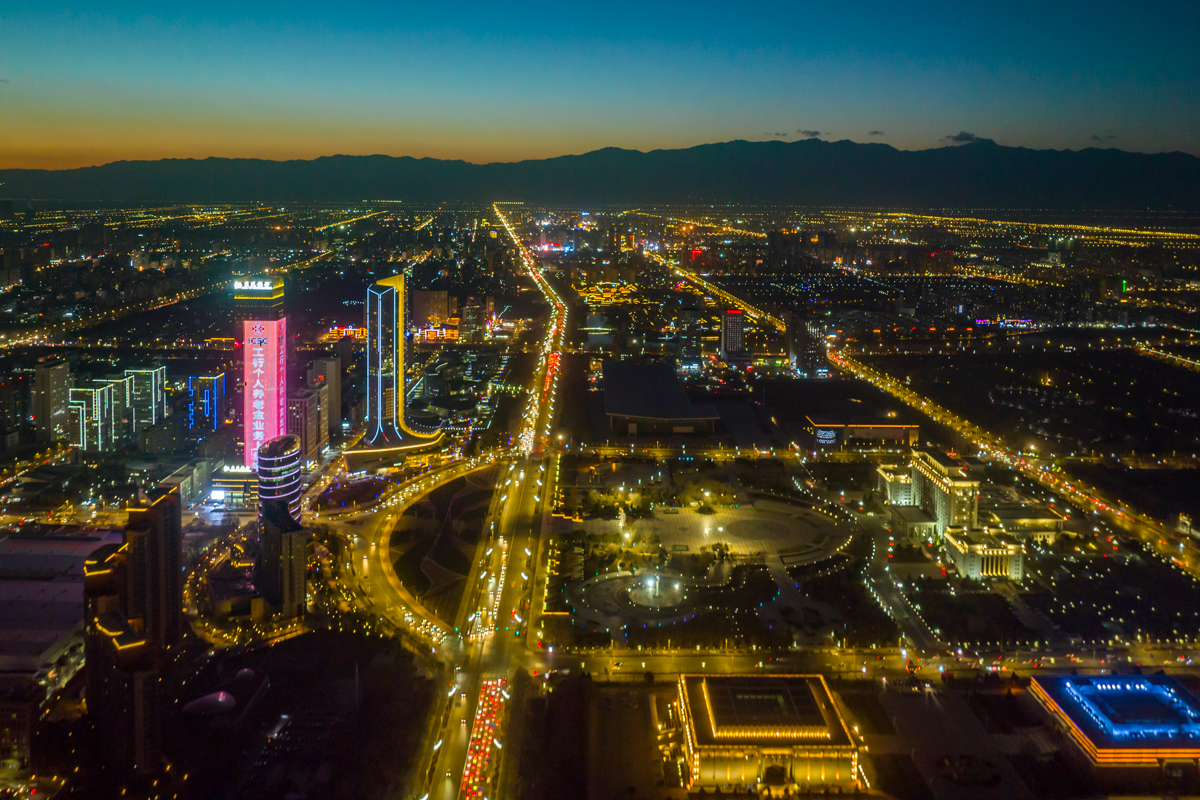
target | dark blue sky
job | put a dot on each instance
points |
(95, 82)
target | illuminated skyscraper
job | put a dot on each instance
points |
(733, 340)
(386, 305)
(279, 473)
(386, 428)
(264, 349)
(92, 421)
(51, 396)
(329, 372)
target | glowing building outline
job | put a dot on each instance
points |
(209, 405)
(1078, 705)
(280, 472)
(386, 426)
(265, 381)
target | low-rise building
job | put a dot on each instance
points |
(980, 554)
(778, 733)
(913, 524)
(1125, 725)
(193, 480)
(860, 430)
(236, 486)
(1020, 517)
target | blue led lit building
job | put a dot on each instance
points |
(1124, 722)
(388, 435)
(206, 401)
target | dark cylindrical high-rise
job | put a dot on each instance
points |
(279, 472)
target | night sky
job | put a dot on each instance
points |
(99, 82)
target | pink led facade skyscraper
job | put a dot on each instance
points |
(265, 381)
(259, 307)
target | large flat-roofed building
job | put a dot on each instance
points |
(1018, 516)
(942, 487)
(1124, 721)
(41, 627)
(778, 731)
(860, 430)
(979, 554)
(913, 523)
(648, 398)
(236, 486)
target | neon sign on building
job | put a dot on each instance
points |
(265, 380)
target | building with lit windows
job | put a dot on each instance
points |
(806, 347)
(757, 733)
(329, 372)
(472, 327)
(148, 397)
(279, 473)
(321, 390)
(304, 420)
(943, 489)
(733, 333)
(235, 486)
(259, 305)
(895, 483)
(1125, 725)
(206, 401)
(50, 401)
(94, 418)
(980, 554)
(387, 434)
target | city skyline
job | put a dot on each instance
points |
(635, 484)
(95, 84)
(657, 401)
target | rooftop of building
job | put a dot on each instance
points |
(759, 710)
(911, 514)
(981, 537)
(41, 594)
(1006, 508)
(649, 391)
(942, 459)
(900, 472)
(859, 418)
(286, 445)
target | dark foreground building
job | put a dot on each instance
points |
(133, 601)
